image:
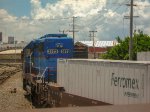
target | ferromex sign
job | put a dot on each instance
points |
(132, 86)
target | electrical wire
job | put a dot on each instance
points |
(123, 32)
(102, 18)
(113, 11)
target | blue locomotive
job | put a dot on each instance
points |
(39, 59)
(40, 55)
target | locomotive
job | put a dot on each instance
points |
(39, 59)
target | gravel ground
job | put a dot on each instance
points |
(11, 100)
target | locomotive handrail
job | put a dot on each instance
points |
(44, 72)
(43, 69)
(42, 76)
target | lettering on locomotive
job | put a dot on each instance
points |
(59, 45)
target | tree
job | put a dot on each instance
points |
(141, 42)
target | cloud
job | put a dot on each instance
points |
(104, 16)
(6, 17)
(65, 8)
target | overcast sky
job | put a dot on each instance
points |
(30, 19)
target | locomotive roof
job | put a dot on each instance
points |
(47, 36)
(54, 35)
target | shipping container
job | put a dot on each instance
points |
(113, 82)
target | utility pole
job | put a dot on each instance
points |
(131, 32)
(93, 32)
(73, 28)
(90, 35)
(131, 29)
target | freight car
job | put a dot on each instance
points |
(40, 66)
(111, 81)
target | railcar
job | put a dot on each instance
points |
(40, 65)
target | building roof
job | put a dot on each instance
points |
(17, 51)
(100, 43)
(21, 45)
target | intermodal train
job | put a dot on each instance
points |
(52, 79)
(39, 59)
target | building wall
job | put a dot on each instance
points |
(97, 49)
(97, 55)
(10, 40)
(1, 37)
(98, 52)
(80, 51)
(12, 46)
(91, 51)
(10, 56)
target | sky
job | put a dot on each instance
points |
(30, 19)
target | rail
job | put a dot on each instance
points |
(7, 74)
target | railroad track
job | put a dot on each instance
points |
(4, 75)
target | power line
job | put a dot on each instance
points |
(123, 24)
(97, 2)
(103, 17)
(100, 18)
(29, 19)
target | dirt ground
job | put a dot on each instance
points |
(12, 94)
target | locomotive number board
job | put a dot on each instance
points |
(56, 51)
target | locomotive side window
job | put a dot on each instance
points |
(52, 51)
